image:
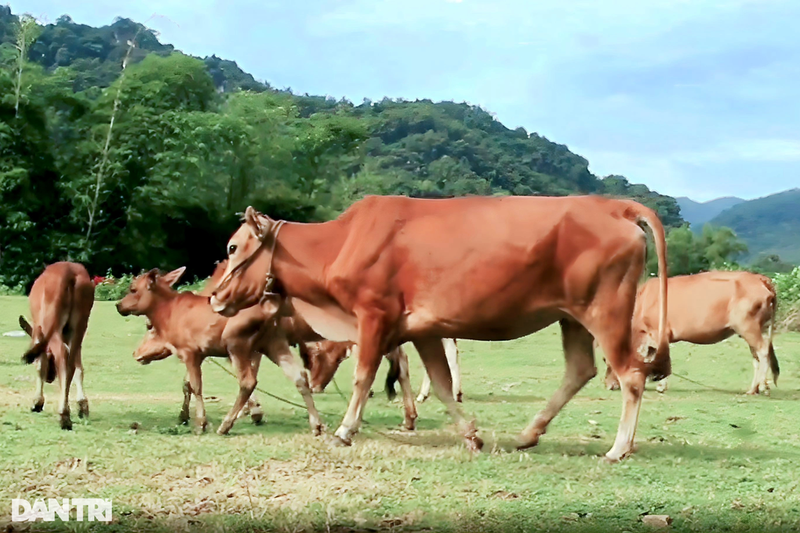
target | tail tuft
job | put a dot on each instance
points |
(34, 352)
(773, 364)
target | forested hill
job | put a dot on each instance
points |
(769, 225)
(196, 140)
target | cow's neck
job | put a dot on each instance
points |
(161, 312)
(302, 255)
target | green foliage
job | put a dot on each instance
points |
(689, 253)
(788, 287)
(113, 289)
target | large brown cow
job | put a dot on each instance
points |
(61, 300)
(708, 308)
(394, 269)
(186, 323)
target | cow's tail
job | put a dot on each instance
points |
(773, 302)
(51, 321)
(393, 375)
(649, 217)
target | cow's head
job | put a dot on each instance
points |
(144, 291)
(249, 259)
(152, 348)
(322, 360)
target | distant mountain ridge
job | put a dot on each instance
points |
(769, 225)
(698, 213)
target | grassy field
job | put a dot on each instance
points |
(712, 459)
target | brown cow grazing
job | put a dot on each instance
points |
(191, 329)
(708, 308)
(61, 300)
(154, 348)
(393, 269)
(322, 360)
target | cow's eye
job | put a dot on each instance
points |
(231, 249)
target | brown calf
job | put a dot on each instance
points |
(193, 331)
(323, 358)
(708, 308)
(61, 300)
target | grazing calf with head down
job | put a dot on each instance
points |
(708, 308)
(61, 300)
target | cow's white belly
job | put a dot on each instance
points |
(330, 322)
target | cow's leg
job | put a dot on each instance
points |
(409, 407)
(611, 381)
(256, 412)
(196, 384)
(451, 352)
(241, 362)
(425, 390)
(183, 418)
(432, 353)
(278, 352)
(367, 362)
(42, 366)
(83, 403)
(580, 368)
(759, 347)
(65, 370)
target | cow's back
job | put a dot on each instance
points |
(496, 262)
(703, 308)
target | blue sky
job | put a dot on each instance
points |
(695, 98)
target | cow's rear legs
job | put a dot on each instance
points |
(433, 356)
(42, 366)
(759, 347)
(580, 368)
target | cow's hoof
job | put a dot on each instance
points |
(66, 422)
(183, 419)
(751, 392)
(410, 425)
(257, 417)
(200, 428)
(37, 407)
(421, 398)
(339, 442)
(611, 460)
(527, 441)
(474, 443)
(613, 385)
(83, 408)
(224, 429)
(458, 398)
(317, 429)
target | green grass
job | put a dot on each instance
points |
(711, 459)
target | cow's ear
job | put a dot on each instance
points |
(172, 277)
(25, 326)
(259, 223)
(152, 276)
